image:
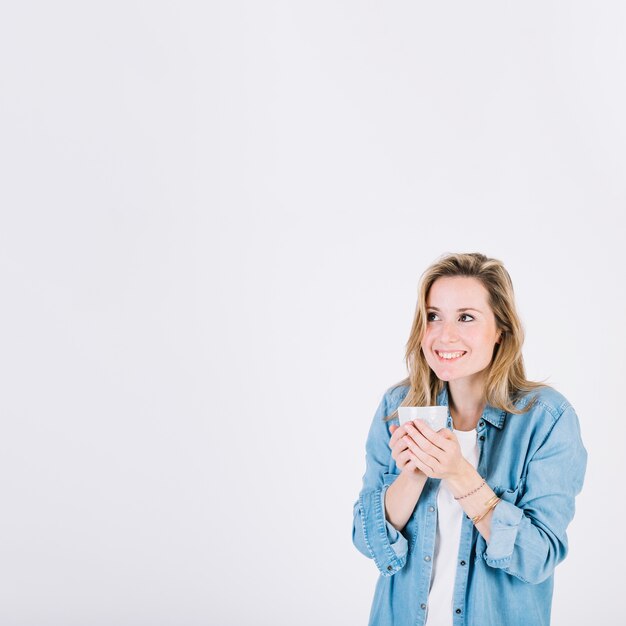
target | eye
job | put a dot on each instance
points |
(429, 319)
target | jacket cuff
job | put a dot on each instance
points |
(388, 549)
(504, 526)
(393, 535)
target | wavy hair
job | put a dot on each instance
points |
(506, 381)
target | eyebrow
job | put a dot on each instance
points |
(467, 308)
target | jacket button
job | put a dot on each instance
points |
(481, 423)
(482, 437)
(426, 558)
(389, 568)
(431, 508)
(462, 562)
(458, 611)
(423, 606)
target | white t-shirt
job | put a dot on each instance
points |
(448, 537)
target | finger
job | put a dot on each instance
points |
(429, 460)
(447, 434)
(450, 439)
(397, 434)
(435, 437)
(399, 447)
(407, 458)
(424, 443)
(392, 429)
(419, 464)
(403, 459)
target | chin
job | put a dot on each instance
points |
(441, 376)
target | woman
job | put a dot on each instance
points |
(467, 524)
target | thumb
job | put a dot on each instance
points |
(393, 428)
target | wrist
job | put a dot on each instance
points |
(413, 477)
(464, 481)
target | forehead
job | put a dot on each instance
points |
(455, 292)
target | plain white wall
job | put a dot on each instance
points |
(213, 222)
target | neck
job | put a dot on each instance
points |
(466, 403)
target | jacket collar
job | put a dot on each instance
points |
(494, 416)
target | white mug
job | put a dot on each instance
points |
(435, 416)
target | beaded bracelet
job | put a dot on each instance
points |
(490, 504)
(471, 492)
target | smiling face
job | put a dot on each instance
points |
(466, 337)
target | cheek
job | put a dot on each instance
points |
(427, 344)
(427, 339)
(483, 343)
(475, 336)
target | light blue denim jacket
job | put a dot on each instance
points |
(535, 462)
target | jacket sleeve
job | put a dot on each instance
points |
(372, 534)
(529, 540)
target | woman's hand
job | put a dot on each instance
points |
(401, 454)
(435, 453)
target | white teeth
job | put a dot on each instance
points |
(450, 355)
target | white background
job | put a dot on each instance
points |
(213, 222)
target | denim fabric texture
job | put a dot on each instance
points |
(535, 462)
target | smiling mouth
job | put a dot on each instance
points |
(450, 356)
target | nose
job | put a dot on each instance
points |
(449, 333)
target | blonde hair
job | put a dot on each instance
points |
(506, 381)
